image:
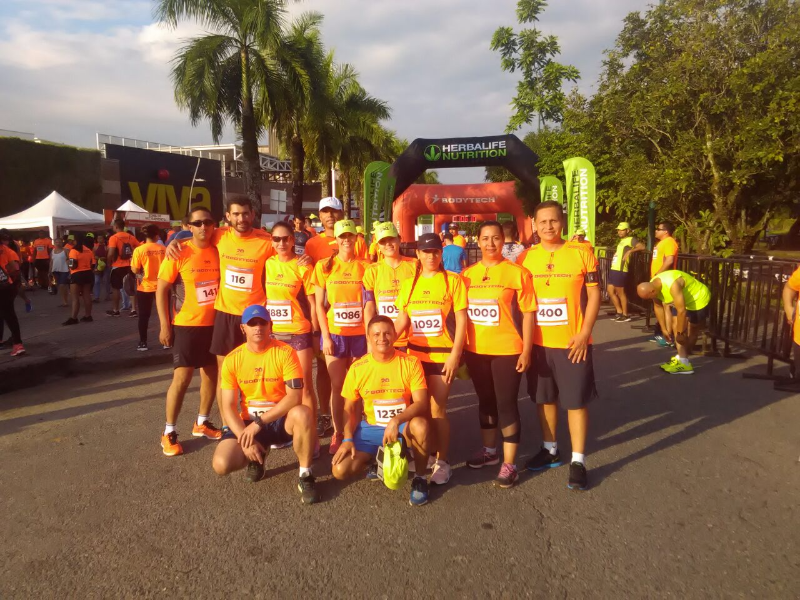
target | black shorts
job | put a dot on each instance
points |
(431, 368)
(273, 433)
(190, 347)
(298, 341)
(227, 333)
(42, 264)
(117, 275)
(617, 278)
(694, 316)
(552, 378)
(82, 278)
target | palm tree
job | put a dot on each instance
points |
(238, 72)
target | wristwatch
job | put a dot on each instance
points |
(257, 421)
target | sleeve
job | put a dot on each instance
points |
(350, 386)
(634, 240)
(134, 242)
(590, 268)
(794, 281)
(227, 376)
(136, 260)
(112, 242)
(526, 296)
(307, 276)
(74, 254)
(319, 276)
(168, 271)
(459, 293)
(218, 233)
(402, 297)
(521, 257)
(369, 279)
(12, 256)
(416, 375)
(673, 249)
(291, 367)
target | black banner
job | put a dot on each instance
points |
(161, 182)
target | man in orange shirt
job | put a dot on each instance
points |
(145, 263)
(792, 312)
(268, 376)
(120, 252)
(458, 239)
(9, 277)
(665, 258)
(42, 250)
(562, 370)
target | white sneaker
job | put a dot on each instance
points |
(431, 461)
(441, 473)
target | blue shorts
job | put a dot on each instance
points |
(368, 438)
(347, 346)
(61, 277)
(617, 278)
(694, 316)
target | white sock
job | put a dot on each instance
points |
(579, 458)
(551, 447)
(685, 361)
(304, 471)
(202, 419)
(170, 427)
(491, 451)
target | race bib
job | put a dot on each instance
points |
(484, 312)
(239, 279)
(385, 410)
(386, 306)
(256, 410)
(3, 276)
(348, 314)
(40, 248)
(428, 323)
(655, 252)
(206, 291)
(552, 311)
(280, 311)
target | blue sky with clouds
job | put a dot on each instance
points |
(70, 68)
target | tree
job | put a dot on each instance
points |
(236, 73)
(539, 94)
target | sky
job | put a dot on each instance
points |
(71, 68)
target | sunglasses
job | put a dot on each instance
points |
(660, 229)
(203, 223)
(282, 238)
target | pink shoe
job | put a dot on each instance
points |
(336, 441)
(17, 350)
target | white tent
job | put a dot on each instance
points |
(53, 212)
(130, 206)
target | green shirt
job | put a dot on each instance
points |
(696, 295)
(616, 260)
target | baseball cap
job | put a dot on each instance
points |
(330, 202)
(453, 226)
(359, 229)
(429, 241)
(89, 235)
(255, 311)
(385, 230)
(182, 235)
(624, 225)
(581, 231)
(344, 226)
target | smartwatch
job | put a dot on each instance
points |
(257, 421)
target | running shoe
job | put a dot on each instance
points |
(17, 350)
(166, 347)
(207, 430)
(88, 319)
(419, 492)
(28, 306)
(671, 361)
(336, 441)
(441, 472)
(507, 477)
(544, 460)
(624, 319)
(254, 471)
(324, 425)
(70, 321)
(664, 342)
(308, 490)
(372, 472)
(281, 446)
(577, 477)
(484, 459)
(617, 318)
(142, 347)
(678, 368)
(133, 314)
(170, 444)
(112, 313)
(657, 339)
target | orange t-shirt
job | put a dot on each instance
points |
(260, 377)
(83, 260)
(118, 241)
(195, 279)
(360, 249)
(42, 248)
(241, 265)
(385, 388)
(320, 246)
(344, 293)
(7, 255)
(147, 258)
(794, 283)
(459, 240)
(289, 287)
(384, 283)
(428, 303)
(496, 297)
(558, 281)
(664, 248)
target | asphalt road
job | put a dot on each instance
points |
(694, 495)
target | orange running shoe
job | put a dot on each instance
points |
(171, 445)
(207, 430)
(336, 441)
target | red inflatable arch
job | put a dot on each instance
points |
(443, 201)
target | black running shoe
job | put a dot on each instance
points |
(307, 486)
(617, 318)
(88, 319)
(624, 319)
(324, 425)
(142, 347)
(70, 321)
(254, 471)
(544, 460)
(112, 313)
(577, 477)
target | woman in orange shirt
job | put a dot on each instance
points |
(81, 279)
(339, 295)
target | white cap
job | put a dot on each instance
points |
(330, 202)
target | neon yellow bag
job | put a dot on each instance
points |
(395, 464)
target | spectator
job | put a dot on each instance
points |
(102, 285)
(42, 248)
(59, 269)
(145, 263)
(81, 263)
(120, 251)
(454, 258)
(458, 239)
(511, 248)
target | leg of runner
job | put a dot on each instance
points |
(203, 427)
(612, 293)
(351, 467)
(181, 378)
(324, 422)
(228, 457)
(623, 300)
(417, 435)
(220, 359)
(145, 304)
(440, 390)
(481, 375)
(578, 426)
(299, 426)
(87, 302)
(337, 369)
(306, 357)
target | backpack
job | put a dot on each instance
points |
(126, 252)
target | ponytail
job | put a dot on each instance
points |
(417, 273)
(328, 266)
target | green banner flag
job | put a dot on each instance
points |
(551, 188)
(388, 182)
(375, 182)
(581, 199)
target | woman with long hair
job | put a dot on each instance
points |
(339, 296)
(81, 279)
(290, 302)
(500, 309)
(432, 306)
(59, 269)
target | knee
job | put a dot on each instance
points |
(220, 464)
(418, 427)
(301, 416)
(438, 410)
(340, 472)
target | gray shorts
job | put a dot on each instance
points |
(552, 378)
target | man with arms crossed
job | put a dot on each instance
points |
(665, 257)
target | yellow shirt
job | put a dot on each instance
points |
(241, 266)
(195, 280)
(289, 294)
(344, 294)
(459, 240)
(666, 247)
(384, 283)
(147, 258)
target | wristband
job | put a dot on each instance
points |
(347, 440)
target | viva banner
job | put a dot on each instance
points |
(581, 199)
(376, 187)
